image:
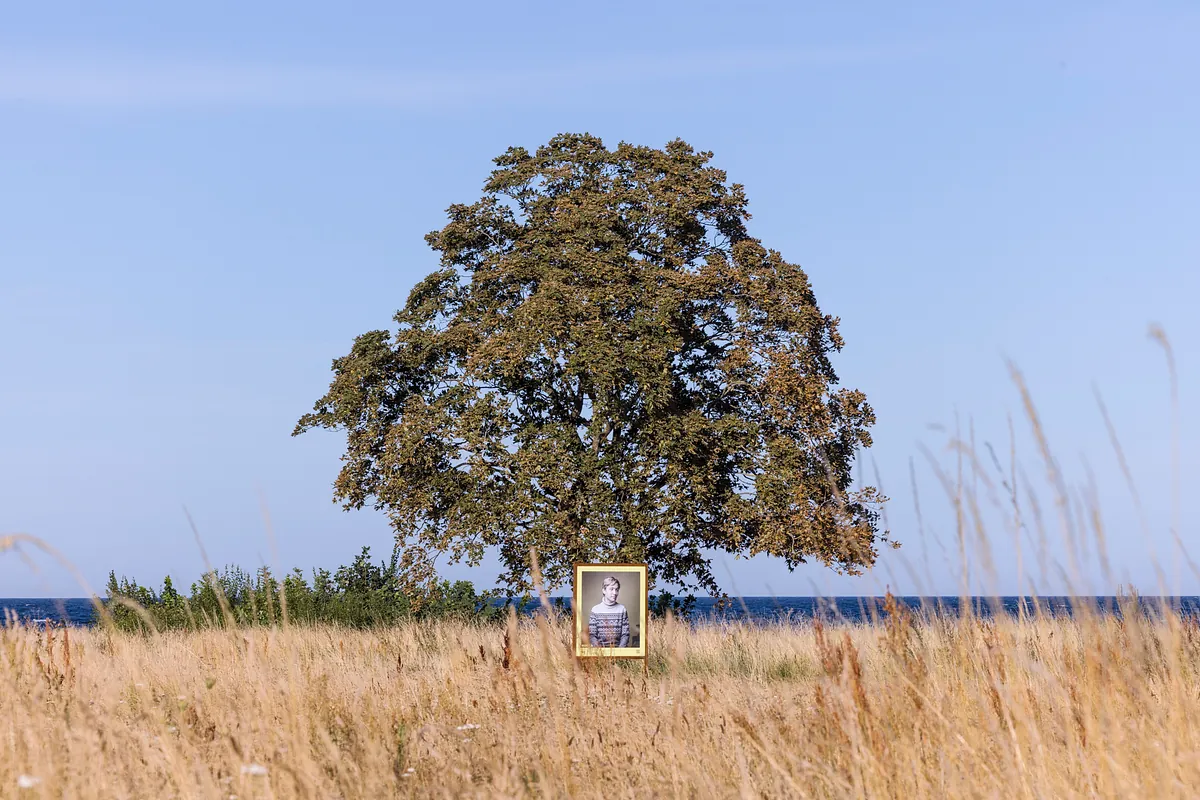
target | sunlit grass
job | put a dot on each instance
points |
(1098, 705)
(1094, 706)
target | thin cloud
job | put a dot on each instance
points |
(42, 82)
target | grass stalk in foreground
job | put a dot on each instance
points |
(1095, 706)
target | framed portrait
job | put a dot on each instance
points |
(609, 606)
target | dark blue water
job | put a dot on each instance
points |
(79, 611)
(74, 611)
(864, 609)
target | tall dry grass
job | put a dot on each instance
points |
(1029, 707)
(1047, 708)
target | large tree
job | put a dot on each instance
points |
(607, 366)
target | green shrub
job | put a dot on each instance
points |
(361, 594)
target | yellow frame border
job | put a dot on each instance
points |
(577, 637)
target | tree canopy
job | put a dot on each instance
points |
(606, 366)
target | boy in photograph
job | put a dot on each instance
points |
(608, 624)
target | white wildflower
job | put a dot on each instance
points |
(27, 781)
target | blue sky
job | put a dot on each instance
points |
(202, 207)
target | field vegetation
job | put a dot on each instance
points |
(1090, 706)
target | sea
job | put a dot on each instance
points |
(78, 611)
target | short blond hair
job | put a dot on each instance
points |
(609, 581)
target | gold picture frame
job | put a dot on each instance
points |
(589, 605)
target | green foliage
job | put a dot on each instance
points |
(606, 367)
(680, 607)
(360, 595)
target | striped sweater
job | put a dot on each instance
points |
(608, 626)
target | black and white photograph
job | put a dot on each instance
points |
(609, 603)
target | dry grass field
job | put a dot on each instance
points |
(1047, 708)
